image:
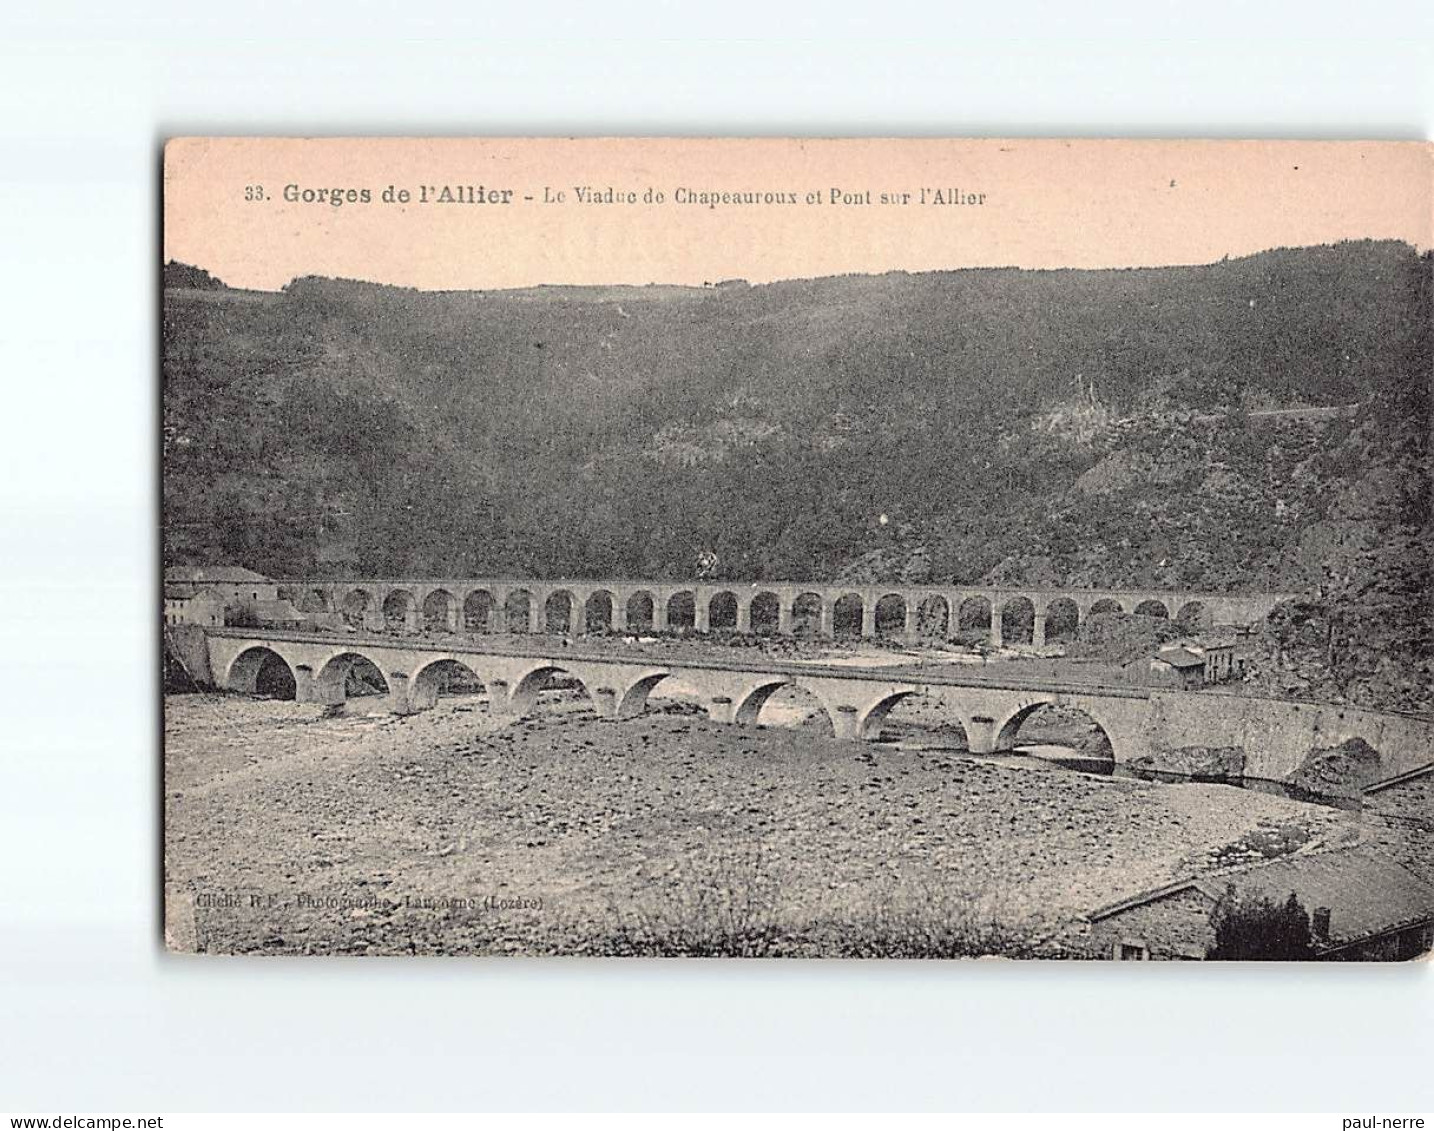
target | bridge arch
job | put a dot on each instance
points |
(397, 608)
(890, 615)
(803, 705)
(558, 612)
(1101, 750)
(682, 610)
(1018, 620)
(597, 612)
(749, 708)
(1153, 608)
(807, 615)
(261, 671)
(348, 674)
(355, 606)
(315, 599)
(441, 676)
(1062, 620)
(847, 615)
(525, 691)
(632, 700)
(765, 614)
(518, 611)
(869, 725)
(925, 719)
(1194, 616)
(933, 616)
(1106, 606)
(641, 610)
(974, 615)
(438, 611)
(478, 611)
(722, 610)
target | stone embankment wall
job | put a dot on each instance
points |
(188, 644)
(1277, 735)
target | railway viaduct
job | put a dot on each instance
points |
(1275, 734)
(1005, 615)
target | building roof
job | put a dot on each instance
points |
(213, 575)
(1180, 658)
(277, 610)
(1367, 892)
(1207, 644)
(186, 592)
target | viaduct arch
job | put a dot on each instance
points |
(1027, 615)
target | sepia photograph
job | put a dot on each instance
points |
(797, 549)
(652, 558)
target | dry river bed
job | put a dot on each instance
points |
(455, 832)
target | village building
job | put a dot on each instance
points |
(200, 608)
(231, 584)
(237, 591)
(1188, 664)
(1177, 667)
(1363, 906)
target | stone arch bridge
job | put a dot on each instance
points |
(1275, 734)
(1003, 615)
(856, 700)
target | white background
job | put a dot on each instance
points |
(93, 1016)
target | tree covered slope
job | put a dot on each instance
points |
(1095, 428)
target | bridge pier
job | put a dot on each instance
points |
(846, 723)
(744, 615)
(303, 683)
(659, 613)
(981, 734)
(868, 618)
(784, 617)
(910, 629)
(721, 709)
(701, 615)
(398, 694)
(605, 701)
(828, 618)
(500, 697)
(1038, 631)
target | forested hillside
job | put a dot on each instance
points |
(1094, 428)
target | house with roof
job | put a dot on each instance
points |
(1188, 664)
(234, 588)
(201, 608)
(1363, 906)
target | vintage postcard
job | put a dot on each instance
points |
(797, 548)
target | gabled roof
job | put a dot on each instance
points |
(183, 591)
(1367, 892)
(211, 575)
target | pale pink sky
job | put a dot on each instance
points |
(1047, 204)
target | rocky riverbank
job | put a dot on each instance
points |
(454, 832)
